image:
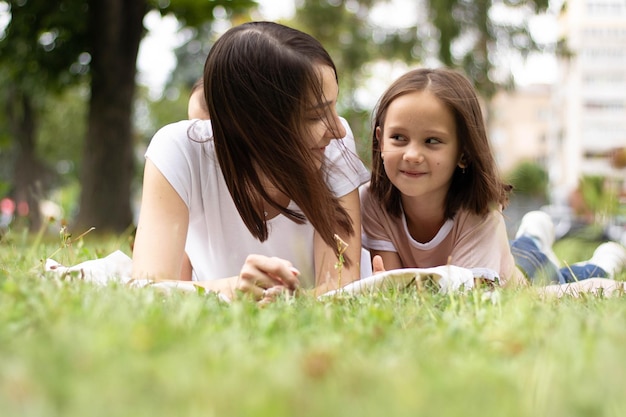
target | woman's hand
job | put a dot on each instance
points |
(266, 278)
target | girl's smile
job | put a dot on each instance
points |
(413, 174)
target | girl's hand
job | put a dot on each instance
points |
(265, 278)
(378, 265)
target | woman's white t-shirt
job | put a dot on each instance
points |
(218, 241)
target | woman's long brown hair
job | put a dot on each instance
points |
(259, 78)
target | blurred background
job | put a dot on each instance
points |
(84, 84)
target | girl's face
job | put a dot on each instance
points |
(322, 121)
(419, 145)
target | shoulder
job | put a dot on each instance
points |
(367, 199)
(470, 217)
(184, 131)
(373, 211)
(467, 220)
(184, 137)
(344, 170)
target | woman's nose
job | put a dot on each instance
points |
(335, 129)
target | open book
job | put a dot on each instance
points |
(442, 279)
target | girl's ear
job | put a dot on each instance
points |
(379, 134)
(462, 161)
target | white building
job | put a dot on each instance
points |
(590, 94)
(519, 125)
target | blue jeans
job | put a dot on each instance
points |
(539, 269)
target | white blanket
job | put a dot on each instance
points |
(117, 267)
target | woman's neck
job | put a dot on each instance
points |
(268, 210)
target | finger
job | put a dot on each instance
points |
(276, 292)
(251, 281)
(249, 289)
(280, 271)
(377, 264)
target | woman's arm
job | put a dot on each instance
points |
(162, 229)
(159, 251)
(327, 276)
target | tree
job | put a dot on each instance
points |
(477, 24)
(50, 44)
(116, 30)
(469, 34)
(30, 72)
(345, 28)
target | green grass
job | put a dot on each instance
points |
(71, 349)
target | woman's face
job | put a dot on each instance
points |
(322, 121)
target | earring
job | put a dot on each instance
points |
(463, 170)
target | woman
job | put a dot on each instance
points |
(259, 199)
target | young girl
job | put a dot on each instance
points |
(435, 196)
(252, 200)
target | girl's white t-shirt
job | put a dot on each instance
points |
(218, 241)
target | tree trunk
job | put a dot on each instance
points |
(116, 28)
(28, 172)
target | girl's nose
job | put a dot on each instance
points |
(413, 153)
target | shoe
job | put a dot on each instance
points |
(538, 226)
(610, 256)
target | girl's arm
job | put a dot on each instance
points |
(327, 276)
(159, 251)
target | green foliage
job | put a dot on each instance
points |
(43, 43)
(152, 114)
(529, 178)
(194, 13)
(344, 29)
(600, 195)
(579, 248)
(63, 128)
(476, 22)
(73, 349)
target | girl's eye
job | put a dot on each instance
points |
(433, 141)
(397, 138)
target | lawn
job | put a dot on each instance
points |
(69, 348)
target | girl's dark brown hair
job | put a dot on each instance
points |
(477, 187)
(259, 80)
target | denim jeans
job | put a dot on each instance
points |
(539, 269)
